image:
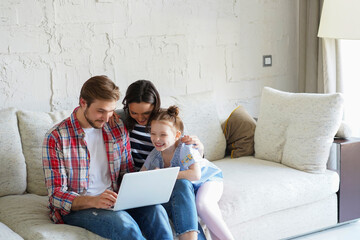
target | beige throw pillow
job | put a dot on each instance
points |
(239, 130)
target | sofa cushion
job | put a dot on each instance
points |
(297, 129)
(254, 188)
(33, 126)
(239, 131)
(12, 162)
(288, 223)
(31, 220)
(200, 117)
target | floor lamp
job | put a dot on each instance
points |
(340, 19)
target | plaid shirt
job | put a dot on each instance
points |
(66, 162)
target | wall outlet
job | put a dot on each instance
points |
(267, 60)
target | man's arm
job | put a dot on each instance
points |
(55, 176)
(56, 183)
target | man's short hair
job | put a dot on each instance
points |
(100, 88)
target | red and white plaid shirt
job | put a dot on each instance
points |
(66, 162)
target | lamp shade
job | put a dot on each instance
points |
(340, 19)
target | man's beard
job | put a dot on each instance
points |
(92, 123)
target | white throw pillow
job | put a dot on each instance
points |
(12, 162)
(33, 127)
(297, 129)
(200, 117)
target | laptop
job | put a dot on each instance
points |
(146, 188)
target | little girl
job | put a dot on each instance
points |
(166, 131)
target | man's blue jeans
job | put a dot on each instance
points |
(181, 209)
(131, 224)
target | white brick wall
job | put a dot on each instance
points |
(49, 48)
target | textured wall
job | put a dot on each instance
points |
(49, 48)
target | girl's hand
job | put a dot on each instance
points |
(194, 140)
(114, 119)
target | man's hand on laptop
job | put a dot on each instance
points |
(105, 200)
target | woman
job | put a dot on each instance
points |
(141, 102)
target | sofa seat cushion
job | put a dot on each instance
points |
(7, 233)
(28, 216)
(254, 188)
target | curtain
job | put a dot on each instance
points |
(319, 59)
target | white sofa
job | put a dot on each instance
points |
(282, 191)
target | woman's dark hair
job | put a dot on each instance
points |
(137, 92)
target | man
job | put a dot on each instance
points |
(83, 158)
